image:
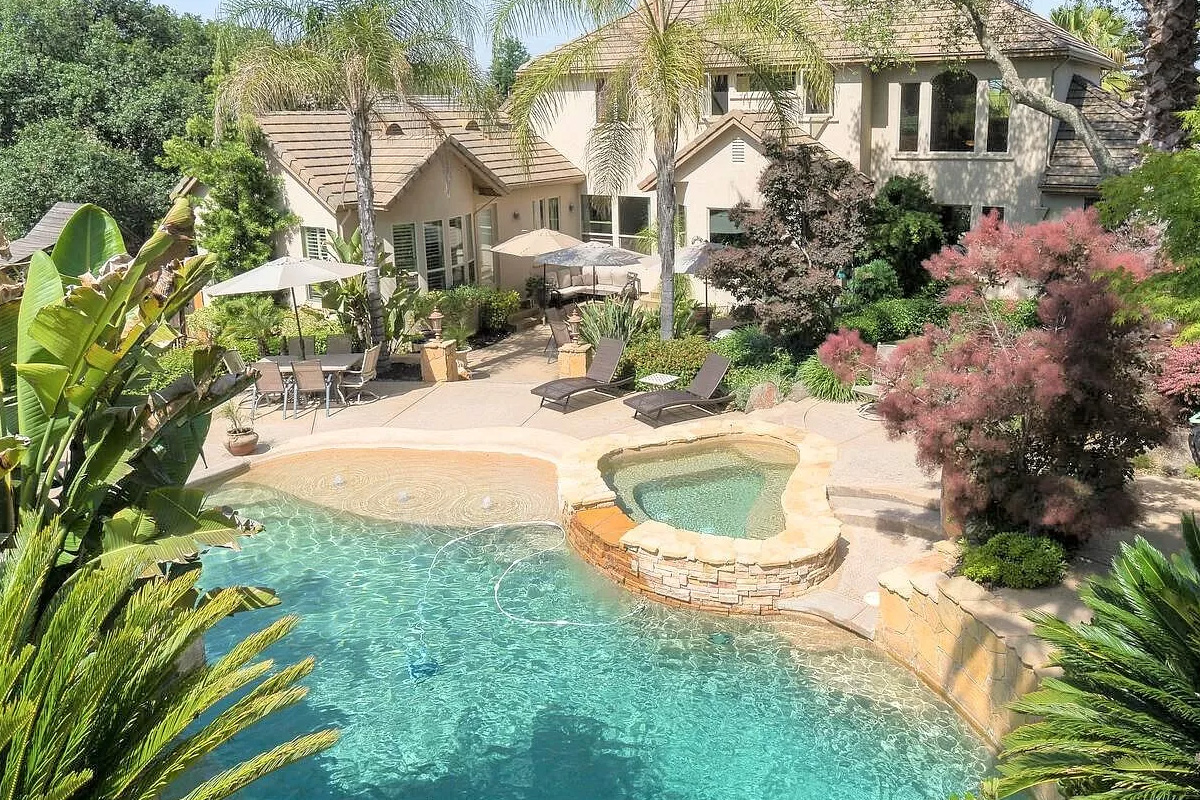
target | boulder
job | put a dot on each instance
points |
(762, 395)
(799, 392)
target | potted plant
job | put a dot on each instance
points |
(241, 439)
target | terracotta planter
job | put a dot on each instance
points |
(241, 442)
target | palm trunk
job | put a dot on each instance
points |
(360, 148)
(1169, 70)
(664, 158)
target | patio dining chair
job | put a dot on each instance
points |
(308, 379)
(355, 381)
(270, 383)
(293, 347)
(233, 362)
(338, 345)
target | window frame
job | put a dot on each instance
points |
(942, 137)
(322, 244)
(997, 86)
(632, 237)
(914, 90)
(736, 239)
(588, 231)
(441, 271)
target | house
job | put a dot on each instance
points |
(449, 186)
(942, 113)
(446, 189)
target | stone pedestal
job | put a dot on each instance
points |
(574, 359)
(439, 362)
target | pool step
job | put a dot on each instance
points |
(845, 612)
(888, 515)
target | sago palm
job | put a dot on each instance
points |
(350, 55)
(1123, 721)
(93, 702)
(658, 86)
(1106, 30)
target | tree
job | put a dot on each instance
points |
(809, 229)
(242, 210)
(51, 161)
(1108, 31)
(657, 86)
(904, 227)
(1121, 721)
(507, 57)
(94, 704)
(350, 55)
(1159, 197)
(1169, 70)
(1032, 427)
(121, 76)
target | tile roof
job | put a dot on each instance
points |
(757, 125)
(315, 147)
(937, 33)
(44, 234)
(1071, 168)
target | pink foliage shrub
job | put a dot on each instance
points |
(1179, 378)
(1031, 426)
(847, 355)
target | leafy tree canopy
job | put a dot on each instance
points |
(507, 57)
(904, 227)
(809, 229)
(123, 75)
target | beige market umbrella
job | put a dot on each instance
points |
(589, 254)
(289, 273)
(535, 243)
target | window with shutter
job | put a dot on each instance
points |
(435, 248)
(404, 250)
(312, 242)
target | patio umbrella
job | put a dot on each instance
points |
(534, 243)
(589, 254)
(691, 260)
(287, 272)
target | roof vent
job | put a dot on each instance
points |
(393, 129)
(472, 125)
(738, 151)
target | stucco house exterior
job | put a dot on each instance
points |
(447, 187)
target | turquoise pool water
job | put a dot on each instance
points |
(732, 488)
(662, 705)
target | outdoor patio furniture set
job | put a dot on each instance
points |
(601, 377)
(339, 372)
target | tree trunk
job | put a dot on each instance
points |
(1169, 70)
(360, 149)
(664, 158)
(1064, 112)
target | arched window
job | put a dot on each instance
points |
(952, 123)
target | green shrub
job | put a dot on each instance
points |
(682, 357)
(172, 364)
(747, 346)
(822, 383)
(876, 280)
(616, 319)
(894, 319)
(1015, 560)
(495, 307)
(741, 380)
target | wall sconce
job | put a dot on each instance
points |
(516, 215)
(435, 323)
(573, 323)
(571, 207)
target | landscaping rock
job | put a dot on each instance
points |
(799, 392)
(762, 395)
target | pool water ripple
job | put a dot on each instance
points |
(665, 704)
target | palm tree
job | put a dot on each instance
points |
(1105, 29)
(350, 55)
(656, 85)
(1169, 70)
(1124, 718)
(93, 702)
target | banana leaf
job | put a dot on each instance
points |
(88, 240)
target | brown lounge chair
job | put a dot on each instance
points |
(600, 376)
(701, 392)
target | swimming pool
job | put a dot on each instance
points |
(646, 702)
(730, 487)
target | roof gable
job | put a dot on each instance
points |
(1071, 168)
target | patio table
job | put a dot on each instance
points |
(659, 379)
(331, 363)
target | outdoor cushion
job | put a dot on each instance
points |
(551, 279)
(564, 278)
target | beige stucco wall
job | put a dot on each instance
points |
(311, 212)
(514, 215)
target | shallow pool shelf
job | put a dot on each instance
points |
(700, 570)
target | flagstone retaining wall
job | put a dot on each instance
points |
(713, 573)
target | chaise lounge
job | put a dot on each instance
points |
(701, 392)
(599, 378)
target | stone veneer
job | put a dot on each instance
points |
(962, 641)
(714, 573)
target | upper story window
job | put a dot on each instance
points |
(600, 115)
(952, 118)
(718, 95)
(999, 110)
(910, 116)
(596, 218)
(811, 98)
(314, 242)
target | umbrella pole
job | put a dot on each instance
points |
(299, 333)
